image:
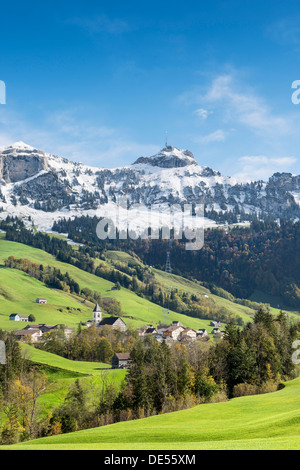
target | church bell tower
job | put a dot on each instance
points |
(97, 315)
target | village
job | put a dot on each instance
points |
(176, 332)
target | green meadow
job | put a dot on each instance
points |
(61, 374)
(268, 421)
(18, 293)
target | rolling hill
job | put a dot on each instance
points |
(269, 421)
(138, 311)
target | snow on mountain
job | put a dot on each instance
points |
(46, 187)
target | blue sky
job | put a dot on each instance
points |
(100, 81)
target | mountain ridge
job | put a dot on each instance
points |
(46, 187)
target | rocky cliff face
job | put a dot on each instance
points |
(20, 161)
(46, 187)
(169, 157)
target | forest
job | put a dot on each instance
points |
(241, 260)
(160, 379)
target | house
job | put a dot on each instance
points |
(49, 328)
(150, 331)
(89, 323)
(188, 334)
(121, 361)
(201, 332)
(115, 322)
(141, 332)
(37, 326)
(215, 331)
(17, 317)
(176, 323)
(216, 324)
(33, 333)
(161, 328)
(41, 300)
(173, 332)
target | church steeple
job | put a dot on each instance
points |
(97, 315)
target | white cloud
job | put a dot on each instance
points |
(244, 106)
(217, 136)
(66, 134)
(261, 167)
(202, 113)
(285, 31)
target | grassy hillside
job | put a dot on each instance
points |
(63, 372)
(43, 357)
(18, 293)
(269, 421)
(173, 281)
(138, 311)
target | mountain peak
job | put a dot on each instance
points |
(20, 148)
(169, 157)
(20, 145)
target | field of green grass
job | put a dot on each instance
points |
(61, 373)
(18, 294)
(268, 421)
(43, 357)
(137, 311)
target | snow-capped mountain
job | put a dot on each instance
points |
(47, 187)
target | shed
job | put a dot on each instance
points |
(121, 360)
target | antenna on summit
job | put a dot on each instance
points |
(166, 139)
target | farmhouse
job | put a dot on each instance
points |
(49, 328)
(115, 322)
(120, 360)
(41, 300)
(201, 332)
(215, 331)
(34, 333)
(161, 328)
(188, 334)
(176, 323)
(173, 332)
(17, 317)
(150, 331)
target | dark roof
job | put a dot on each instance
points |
(15, 314)
(150, 330)
(34, 326)
(109, 321)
